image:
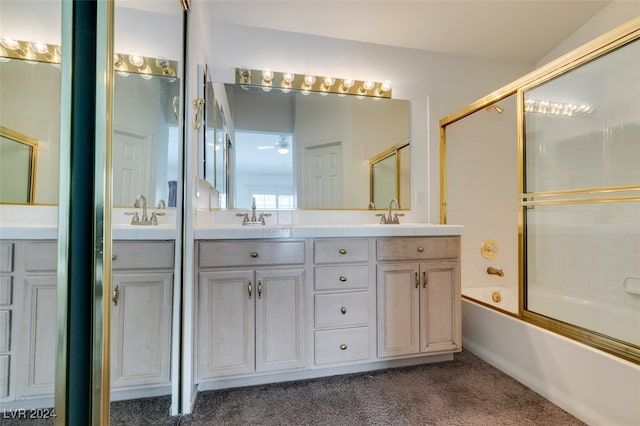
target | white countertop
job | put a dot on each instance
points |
(35, 231)
(313, 231)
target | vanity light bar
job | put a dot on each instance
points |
(50, 53)
(285, 81)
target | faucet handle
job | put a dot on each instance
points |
(383, 218)
(262, 216)
(154, 217)
(135, 219)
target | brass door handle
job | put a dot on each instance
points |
(342, 251)
(343, 347)
(343, 279)
(254, 254)
(417, 280)
(425, 280)
(343, 310)
(114, 296)
(250, 289)
(259, 289)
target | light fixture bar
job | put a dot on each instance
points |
(50, 53)
(557, 108)
(312, 83)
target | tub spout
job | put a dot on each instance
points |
(495, 271)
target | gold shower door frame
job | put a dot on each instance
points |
(598, 47)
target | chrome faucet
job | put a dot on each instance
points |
(254, 220)
(141, 201)
(495, 271)
(391, 218)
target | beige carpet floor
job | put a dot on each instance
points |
(465, 391)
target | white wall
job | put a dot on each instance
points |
(616, 13)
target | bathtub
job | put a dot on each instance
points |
(598, 388)
(503, 297)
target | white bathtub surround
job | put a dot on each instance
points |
(598, 388)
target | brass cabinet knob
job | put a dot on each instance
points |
(343, 279)
(420, 249)
(343, 310)
(342, 251)
(254, 254)
(343, 347)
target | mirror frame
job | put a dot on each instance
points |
(32, 143)
(393, 151)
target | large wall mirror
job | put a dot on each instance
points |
(146, 103)
(307, 150)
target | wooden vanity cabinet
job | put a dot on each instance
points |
(342, 301)
(140, 316)
(250, 307)
(418, 296)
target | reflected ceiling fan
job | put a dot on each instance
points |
(281, 145)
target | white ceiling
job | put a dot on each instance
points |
(510, 30)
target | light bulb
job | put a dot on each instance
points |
(10, 43)
(367, 85)
(329, 81)
(385, 86)
(309, 79)
(136, 60)
(267, 75)
(288, 77)
(39, 47)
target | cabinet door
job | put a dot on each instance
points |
(279, 320)
(439, 307)
(141, 329)
(36, 369)
(398, 310)
(226, 332)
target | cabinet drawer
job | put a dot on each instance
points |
(6, 257)
(341, 277)
(6, 290)
(343, 250)
(349, 344)
(133, 255)
(418, 248)
(41, 256)
(342, 310)
(214, 254)
(5, 329)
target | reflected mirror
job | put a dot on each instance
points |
(146, 132)
(308, 151)
(18, 155)
(390, 177)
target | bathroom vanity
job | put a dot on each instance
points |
(285, 303)
(141, 311)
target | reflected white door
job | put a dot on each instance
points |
(132, 157)
(324, 176)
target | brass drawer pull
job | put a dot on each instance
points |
(343, 279)
(254, 254)
(343, 347)
(343, 310)
(342, 251)
(420, 249)
(417, 280)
